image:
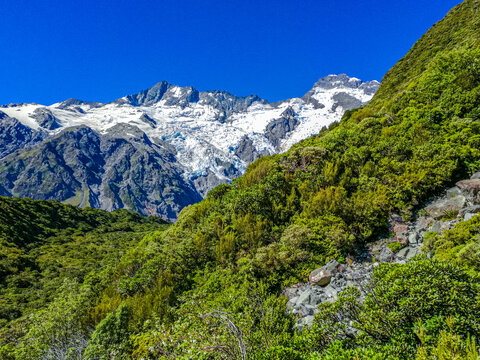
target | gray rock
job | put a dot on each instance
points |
(247, 151)
(413, 238)
(334, 267)
(443, 207)
(468, 216)
(470, 209)
(345, 101)
(414, 251)
(277, 129)
(471, 189)
(423, 223)
(45, 119)
(440, 226)
(385, 255)
(291, 303)
(475, 176)
(454, 191)
(306, 297)
(331, 292)
(14, 135)
(308, 310)
(320, 277)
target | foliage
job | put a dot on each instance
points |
(208, 287)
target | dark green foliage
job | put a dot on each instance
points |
(460, 245)
(208, 286)
(43, 243)
(428, 291)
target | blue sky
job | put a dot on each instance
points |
(103, 50)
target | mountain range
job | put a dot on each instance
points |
(161, 149)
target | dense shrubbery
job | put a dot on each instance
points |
(44, 244)
(208, 286)
(460, 245)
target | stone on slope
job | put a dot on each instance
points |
(385, 255)
(443, 207)
(323, 275)
(471, 189)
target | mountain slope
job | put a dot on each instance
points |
(209, 286)
(324, 198)
(44, 244)
(161, 149)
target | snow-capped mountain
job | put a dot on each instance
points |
(161, 149)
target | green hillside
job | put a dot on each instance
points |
(45, 244)
(208, 287)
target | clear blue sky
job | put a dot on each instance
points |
(102, 50)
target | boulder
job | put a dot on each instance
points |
(320, 277)
(476, 176)
(334, 267)
(471, 189)
(423, 223)
(413, 238)
(323, 275)
(306, 297)
(474, 209)
(385, 255)
(443, 207)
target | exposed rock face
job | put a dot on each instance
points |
(247, 151)
(82, 167)
(470, 188)
(46, 119)
(450, 205)
(278, 128)
(346, 101)
(14, 135)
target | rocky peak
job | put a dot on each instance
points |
(345, 81)
(149, 96)
(76, 102)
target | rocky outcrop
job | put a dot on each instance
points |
(471, 189)
(279, 128)
(450, 206)
(82, 167)
(14, 135)
(46, 119)
(458, 204)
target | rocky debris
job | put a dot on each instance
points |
(325, 283)
(445, 207)
(471, 189)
